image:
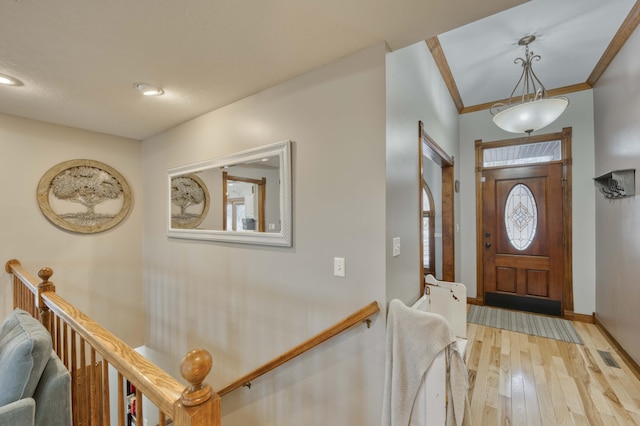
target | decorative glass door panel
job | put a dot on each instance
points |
(521, 216)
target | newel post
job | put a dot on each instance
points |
(198, 405)
(45, 286)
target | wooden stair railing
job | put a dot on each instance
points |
(88, 349)
(348, 322)
(73, 332)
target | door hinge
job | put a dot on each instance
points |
(483, 179)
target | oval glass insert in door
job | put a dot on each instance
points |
(521, 216)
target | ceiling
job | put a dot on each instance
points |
(571, 38)
(79, 59)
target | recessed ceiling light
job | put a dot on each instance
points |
(7, 80)
(149, 89)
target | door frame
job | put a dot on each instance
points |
(261, 184)
(438, 155)
(565, 138)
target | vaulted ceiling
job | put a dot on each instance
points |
(576, 40)
(79, 59)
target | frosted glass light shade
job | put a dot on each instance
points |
(530, 116)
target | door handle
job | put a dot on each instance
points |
(487, 245)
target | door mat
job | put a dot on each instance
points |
(536, 325)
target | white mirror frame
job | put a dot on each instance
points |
(282, 238)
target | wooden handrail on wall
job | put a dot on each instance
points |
(72, 332)
(353, 319)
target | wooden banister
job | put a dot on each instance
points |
(348, 322)
(195, 405)
(158, 386)
(28, 279)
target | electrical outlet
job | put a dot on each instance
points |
(338, 267)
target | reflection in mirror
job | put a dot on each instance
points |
(243, 203)
(189, 201)
(245, 197)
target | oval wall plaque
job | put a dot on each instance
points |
(84, 196)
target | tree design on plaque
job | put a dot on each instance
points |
(84, 196)
(189, 201)
(88, 186)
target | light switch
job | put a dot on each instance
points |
(338, 267)
(396, 246)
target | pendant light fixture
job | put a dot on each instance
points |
(535, 109)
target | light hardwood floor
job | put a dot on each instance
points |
(517, 379)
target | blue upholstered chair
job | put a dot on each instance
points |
(35, 386)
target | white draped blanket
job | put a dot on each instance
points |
(413, 340)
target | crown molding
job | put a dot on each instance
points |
(624, 32)
(438, 55)
(553, 92)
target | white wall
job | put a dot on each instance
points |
(247, 304)
(415, 92)
(617, 135)
(99, 273)
(579, 116)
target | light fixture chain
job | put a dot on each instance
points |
(543, 90)
(528, 79)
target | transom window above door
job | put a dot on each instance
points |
(513, 155)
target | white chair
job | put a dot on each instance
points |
(448, 299)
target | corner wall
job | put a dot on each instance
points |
(99, 273)
(247, 304)
(415, 92)
(617, 131)
(579, 116)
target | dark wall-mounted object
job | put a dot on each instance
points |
(617, 183)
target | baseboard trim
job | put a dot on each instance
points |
(572, 316)
(631, 363)
(474, 301)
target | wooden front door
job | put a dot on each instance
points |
(522, 238)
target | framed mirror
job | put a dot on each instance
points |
(242, 198)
